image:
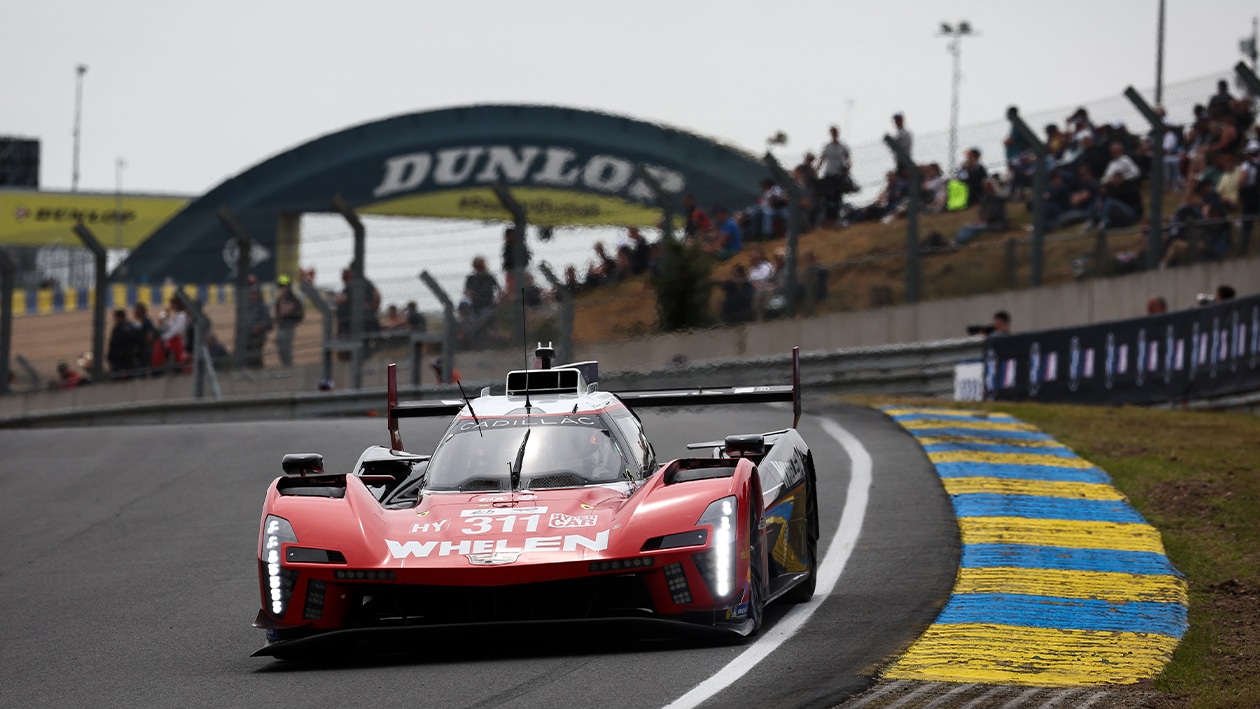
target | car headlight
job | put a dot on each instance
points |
(277, 581)
(721, 515)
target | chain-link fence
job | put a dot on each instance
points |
(867, 270)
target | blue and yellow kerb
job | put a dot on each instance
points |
(1061, 583)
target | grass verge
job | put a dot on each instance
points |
(1196, 477)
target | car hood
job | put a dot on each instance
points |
(461, 529)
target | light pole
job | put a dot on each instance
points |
(118, 220)
(80, 70)
(1159, 57)
(955, 48)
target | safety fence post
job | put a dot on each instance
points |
(8, 280)
(1155, 232)
(564, 353)
(358, 291)
(915, 178)
(244, 246)
(448, 330)
(202, 365)
(315, 298)
(98, 308)
(664, 200)
(785, 181)
(517, 210)
(1039, 194)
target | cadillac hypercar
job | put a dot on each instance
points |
(545, 503)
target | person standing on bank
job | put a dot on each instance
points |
(289, 311)
(258, 324)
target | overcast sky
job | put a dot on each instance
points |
(192, 93)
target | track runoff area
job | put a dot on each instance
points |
(1062, 584)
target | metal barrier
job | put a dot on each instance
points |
(923, 369)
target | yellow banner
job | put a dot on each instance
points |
(545, 207)
(30, 218)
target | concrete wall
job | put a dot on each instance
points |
(1050, 307)
(1089, 301)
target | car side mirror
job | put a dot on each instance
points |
(302, 464)
(748, 445)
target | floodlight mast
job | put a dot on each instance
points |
(955, 48)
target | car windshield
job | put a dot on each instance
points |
(568, 451)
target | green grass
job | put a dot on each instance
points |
(1196, 477)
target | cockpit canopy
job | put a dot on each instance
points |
(563, 450)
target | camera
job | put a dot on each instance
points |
(985, 330)
(1205, 298)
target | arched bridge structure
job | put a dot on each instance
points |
(566, 166)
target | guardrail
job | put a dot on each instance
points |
(922, 369)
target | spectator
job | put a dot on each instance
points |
(770, 211)
(571, 282)
(219, 356)
(1249, 192)
(1081, 201)
(1225, 292)
(122, 350)
(371, 305)
(1203, 205)
(289, 312)
(602, 270)
(972, 174)
(905, 140)
(509, 258)
(67, 378)
(1173, 144)
(761, 276)
(171, 341)
(1229, 183)
(737, 300)
(698, 224)
(532, 294)
(146, 337)
(835, 178)
(1156, 305)
(394, 322)
(1001, 324)
(1220, 104)
(991, 217)
(640, 252)
(728, 239)
(934, 191)
(1120, 201)
(482, 292)
(806, 177)
(258, 323)
(886, 204)
(416, 322)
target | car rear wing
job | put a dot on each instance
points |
(717, 396)
(414, 409)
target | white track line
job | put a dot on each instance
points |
(829, 570)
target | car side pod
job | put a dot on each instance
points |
(302, 465)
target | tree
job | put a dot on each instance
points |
(682, 289)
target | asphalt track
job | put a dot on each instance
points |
(129, 579)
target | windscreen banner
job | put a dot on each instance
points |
(1209, 351)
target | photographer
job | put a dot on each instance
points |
(1000, 326)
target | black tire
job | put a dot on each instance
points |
(803, 592)
(757, 558)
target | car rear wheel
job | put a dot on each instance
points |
(804, 591)
(757, 576)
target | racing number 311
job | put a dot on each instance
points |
(507, 523)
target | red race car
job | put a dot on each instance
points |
(543, 504)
